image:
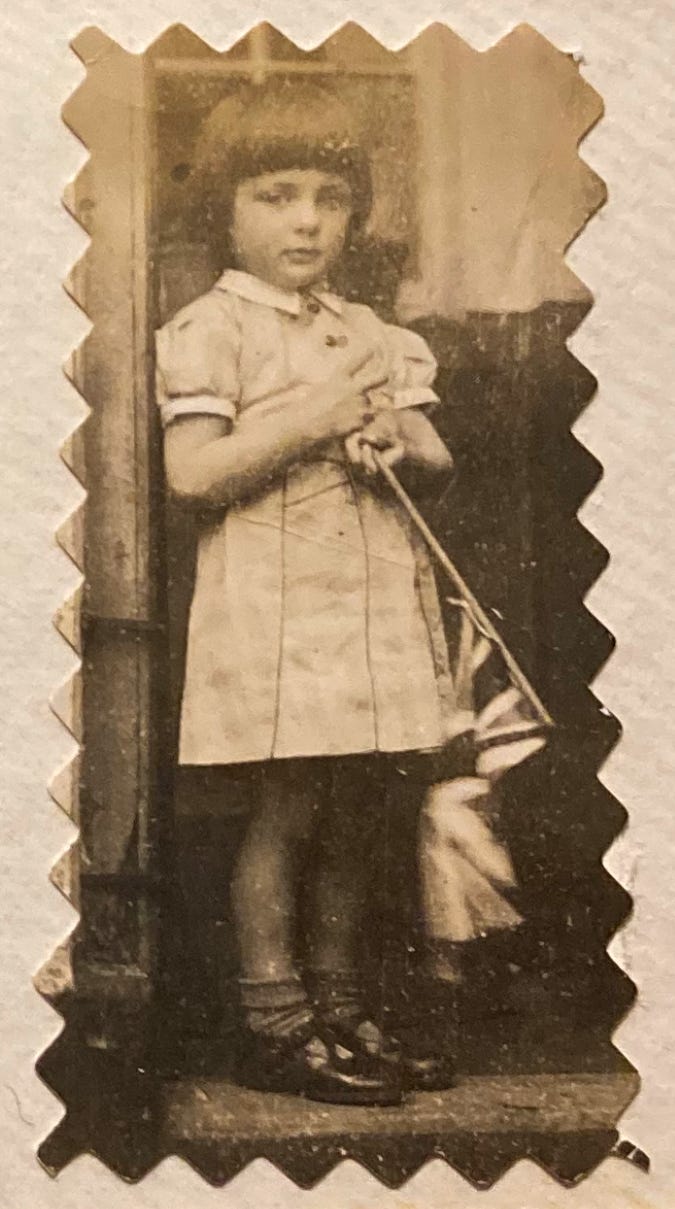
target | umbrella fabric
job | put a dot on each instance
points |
(464, 868)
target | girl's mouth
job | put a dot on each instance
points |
(302, 255)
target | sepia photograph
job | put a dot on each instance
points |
(339, 867)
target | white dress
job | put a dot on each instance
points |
(315, 626)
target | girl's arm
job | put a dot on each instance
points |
(209, 464)
(421, 443)
(400, 435)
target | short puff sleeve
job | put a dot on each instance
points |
(413, 368)
(197, 363)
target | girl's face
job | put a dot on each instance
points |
(289, 228)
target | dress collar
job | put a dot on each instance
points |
(254, 289)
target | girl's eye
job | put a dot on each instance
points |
(271, 198)
(335, 201)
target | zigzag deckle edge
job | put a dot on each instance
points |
(55, 976)
(391, 1161)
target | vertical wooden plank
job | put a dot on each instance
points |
(260, 52)
(120, 620)
(115, 354)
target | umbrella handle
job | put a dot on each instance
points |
(479, 616)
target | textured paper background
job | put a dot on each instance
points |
(627, 341)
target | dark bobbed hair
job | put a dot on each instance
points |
(279, 125)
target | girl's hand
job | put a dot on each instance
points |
(382, 433)
(340, 406)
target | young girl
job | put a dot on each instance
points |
(316, 654)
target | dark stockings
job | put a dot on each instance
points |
(316, 827)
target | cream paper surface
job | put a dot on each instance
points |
(627, 341)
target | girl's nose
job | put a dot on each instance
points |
(306, 217)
